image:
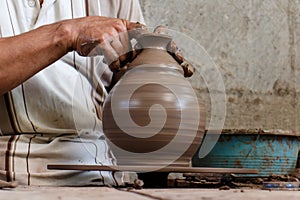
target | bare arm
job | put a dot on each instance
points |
(24, 55)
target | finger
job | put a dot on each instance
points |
(136, 51)
(179, 57)
(96, 51)
(134, 25)
(124, 39)
(175, 52)
(117, 45)
(132, 28)
(135, 30)
(122, 50)
(127, 57)
(123, 25)
(188, 69)
(172, 47)
(161, 30)
(89, 48)
(121, 43)
(115, 66)
(127, 48)
(110, 46)
(110, 55)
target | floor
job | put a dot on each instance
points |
(74, 193)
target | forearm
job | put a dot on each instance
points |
(24, 55)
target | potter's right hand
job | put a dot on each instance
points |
(96, 35)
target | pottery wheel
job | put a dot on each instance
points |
(138, 169)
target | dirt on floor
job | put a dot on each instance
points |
(231, 181)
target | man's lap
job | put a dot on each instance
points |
(24, 158)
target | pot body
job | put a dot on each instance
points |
(153, 116)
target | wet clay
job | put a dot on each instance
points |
(155, 52)
(154, 89)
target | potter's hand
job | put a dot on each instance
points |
(97, 35)
(176, 53)
(178, 56)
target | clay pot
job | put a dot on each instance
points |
(153, 116)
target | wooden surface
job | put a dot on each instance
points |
(68, 193)
(152, 168)
(87, 193)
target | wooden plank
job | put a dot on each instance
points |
(152, 168)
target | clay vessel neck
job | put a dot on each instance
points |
(156, 57)
(155, 52)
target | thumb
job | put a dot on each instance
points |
(136, 29)
(134, 25)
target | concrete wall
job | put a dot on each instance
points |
(256, 46)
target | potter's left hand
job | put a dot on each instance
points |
(176, 53)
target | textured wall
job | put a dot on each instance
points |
(256, 47)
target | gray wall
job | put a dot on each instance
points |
(256, 46)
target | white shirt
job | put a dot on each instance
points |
(59, 99)
(57, 102)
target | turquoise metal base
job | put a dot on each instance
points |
(270, 154)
